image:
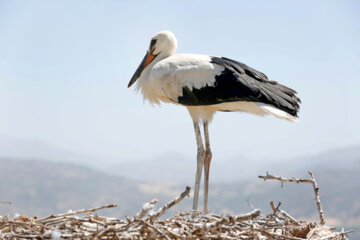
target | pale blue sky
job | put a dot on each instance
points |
(65, 65)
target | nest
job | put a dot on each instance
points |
(146, 224)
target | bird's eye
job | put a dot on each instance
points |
(152, 44)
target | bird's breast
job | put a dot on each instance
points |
(170, 76)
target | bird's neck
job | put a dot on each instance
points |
(146, 73)
(143, 83)
(161, 56)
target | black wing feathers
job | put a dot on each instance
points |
(239, 82)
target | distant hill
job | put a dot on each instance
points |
(40, 188)
(336, 159)
(33, 149)
(174, 167)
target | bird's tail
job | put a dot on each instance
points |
(277, 112)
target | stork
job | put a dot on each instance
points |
(204, 85)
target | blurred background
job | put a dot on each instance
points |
(72, 135)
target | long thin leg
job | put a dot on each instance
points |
(207, 161)
(200, 164)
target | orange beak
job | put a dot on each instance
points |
(149, 57)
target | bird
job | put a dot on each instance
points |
(206, 85)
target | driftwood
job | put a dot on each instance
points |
(301, 180)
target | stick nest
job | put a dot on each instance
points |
(146, 224)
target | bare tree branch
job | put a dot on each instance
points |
(301, 180)
(226, 220)
(282, 180)
(146, 208)
(317, 198)
(76, 212)
(175, 201)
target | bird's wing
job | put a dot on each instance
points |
(195, 80)
(239, 82)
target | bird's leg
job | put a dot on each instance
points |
(207, 161)
(200, 164)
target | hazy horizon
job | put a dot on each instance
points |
(64, 69)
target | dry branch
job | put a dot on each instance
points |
(76, 212)
(175, 201)
(146, 208)
(301, 180)
(288, 216)
(285, 214)
(229, 219)
(317, 198)
(282, 180)
(250, 204)
(156, 229)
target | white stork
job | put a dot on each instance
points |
(205, 85)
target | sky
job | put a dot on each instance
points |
(65, 66)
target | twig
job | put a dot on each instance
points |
(225, 220)
(285, 214)
(282, 180)
(247, 216)
(334, 235)
(275, 209)
(76, 212)
(317, 198)
(104, 231)
(248, 201)
(162, 210)
(5, 202)
(156, 229)
(276, 235)
(146, 208)
(298, 180)
(171, 233)
(292, 219)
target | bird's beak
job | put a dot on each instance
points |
(149, 57)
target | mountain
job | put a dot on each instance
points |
(344, 158)
(174, 167)
(154, 170)
(33, 149)
(39, 188)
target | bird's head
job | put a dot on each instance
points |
(162, 45)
